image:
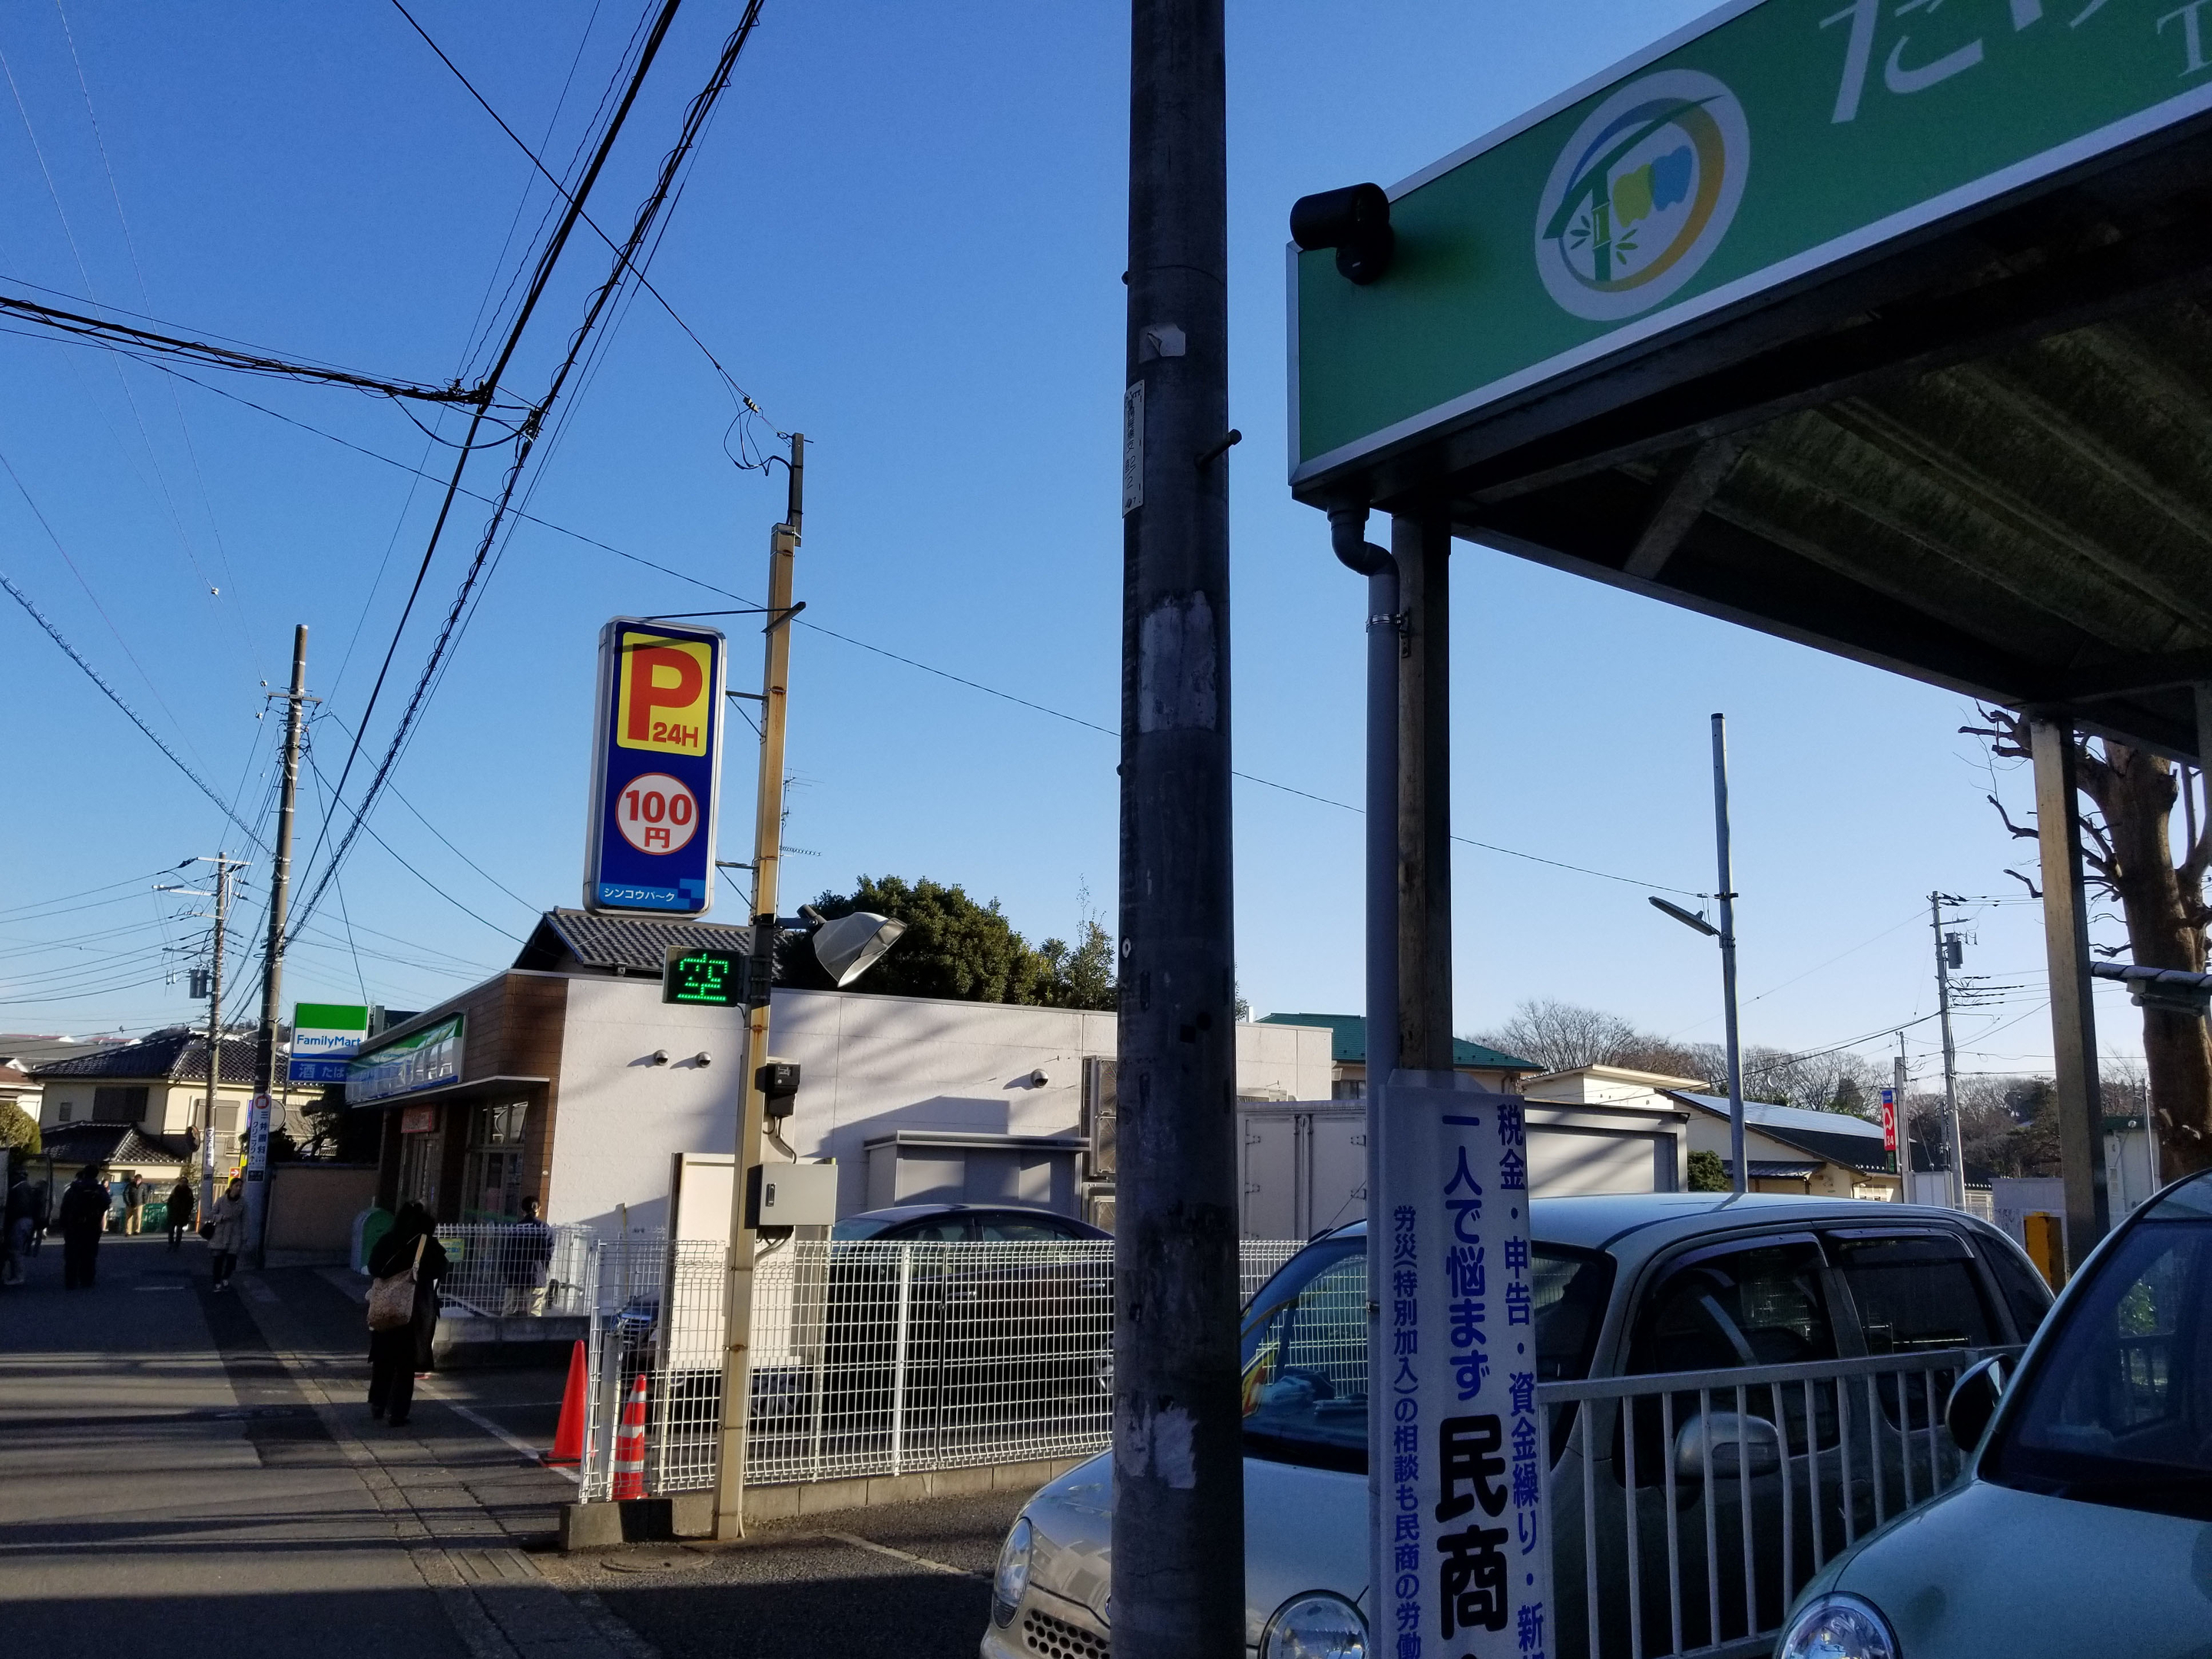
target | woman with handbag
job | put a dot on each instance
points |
(404, 1269)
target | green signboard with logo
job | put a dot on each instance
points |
(427, 1059)
(1771, 141)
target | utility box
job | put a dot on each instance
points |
(792, 1195)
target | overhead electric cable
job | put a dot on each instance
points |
(621, 251)
(544, 274)
(113, 697)
(694, 116)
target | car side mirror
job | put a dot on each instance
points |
(1973, 1402)
(1737, 1442)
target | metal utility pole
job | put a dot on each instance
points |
(767, 861)
(1178, 1456)
(272, 964)
(1727, 897)
(1953, 1145)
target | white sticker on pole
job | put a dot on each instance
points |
(1132, 448)
(1468, 1554)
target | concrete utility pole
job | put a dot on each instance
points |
(1727, 897)
(1955, 1144)
(1897, 1086)
(767, 861)
(1178, 1454)
(223, 866)
(272, 964)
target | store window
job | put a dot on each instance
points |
(495, 1180)
(422, 1151)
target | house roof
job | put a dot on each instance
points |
(1348, 1034)
(1769, 1168)
(177, 1056)
(1835, 1136)
(569, 940)
(113, 1143)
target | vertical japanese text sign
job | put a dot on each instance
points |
(656, 770)
(1463, 1564)
(1889, 1120)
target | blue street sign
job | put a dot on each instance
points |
(656, 770)
(318, 1071)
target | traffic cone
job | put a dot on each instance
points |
(629, 1445)
(568, 1436)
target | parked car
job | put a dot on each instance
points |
(2084, 1524)
(1663, 1284)
(963, 1224)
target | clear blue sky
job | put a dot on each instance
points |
(904, 235)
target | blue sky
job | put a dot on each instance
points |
(904, 235)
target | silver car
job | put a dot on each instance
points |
(2085, 1523)
(1625, 1285)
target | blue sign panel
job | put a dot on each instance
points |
(318, 1071)
(656, 770)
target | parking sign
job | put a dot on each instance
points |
(656, 770)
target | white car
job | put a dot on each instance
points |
(1626, 1286)
(2085, 1523)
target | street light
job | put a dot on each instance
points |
(1726, 935)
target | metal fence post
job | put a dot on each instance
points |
(898, 1359)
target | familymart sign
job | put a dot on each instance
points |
(1769, 141)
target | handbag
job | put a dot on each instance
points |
(391, 1298)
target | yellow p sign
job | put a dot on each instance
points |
(666, 687)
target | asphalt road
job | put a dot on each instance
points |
(204, 1467)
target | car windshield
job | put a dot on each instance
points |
(1305, 1346)
(864, 1226)
(2118, 1408)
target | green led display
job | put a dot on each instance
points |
(713, 977)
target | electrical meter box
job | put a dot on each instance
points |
(792, 1195)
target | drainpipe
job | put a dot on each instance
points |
(1347, 529)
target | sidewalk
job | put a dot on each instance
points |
(199, 1466)
(204, 1467)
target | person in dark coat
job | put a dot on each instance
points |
(83, 1216)
(182, 1201)
(395, 1355)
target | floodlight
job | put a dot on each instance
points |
(848, 947)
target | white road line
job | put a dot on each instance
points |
(860, 1543)
(499, 1434)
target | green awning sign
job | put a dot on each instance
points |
(1769, 141)
(427, 1059)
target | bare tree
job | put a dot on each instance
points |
(2128, 844)
(1561, 1037)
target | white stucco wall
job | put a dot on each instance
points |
(618, 1118)
(870, 1066)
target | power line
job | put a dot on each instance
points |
(122, 336)
(744, 26)
(702, 105)
(546, 261)
(113, 697)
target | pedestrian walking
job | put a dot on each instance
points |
(228, 1236)
(134, 1203)
(180, 1212)
(42, 1200)
(529, 1249)
(16, 1240)
(83, 1216)
(398, 1352)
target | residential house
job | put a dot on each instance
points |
(139, 1105)
(1492, 1069)
(1793, 1149)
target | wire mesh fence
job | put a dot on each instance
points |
(514, 1269)
(867, 1359)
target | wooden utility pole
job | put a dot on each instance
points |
(223, 866)
(272, 964)
(1178, 1444)
(767, 861)
(2073, 1016)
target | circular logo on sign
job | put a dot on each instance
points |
(1642, 195)
(657, 814)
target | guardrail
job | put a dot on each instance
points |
(1688, 1509)
(867, 1359)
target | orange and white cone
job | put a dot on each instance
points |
(629, 1445)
